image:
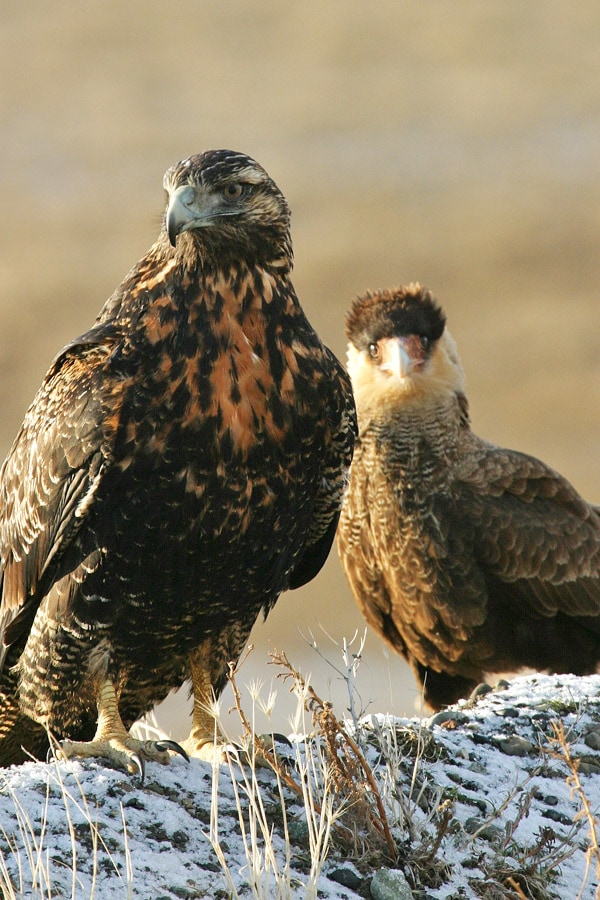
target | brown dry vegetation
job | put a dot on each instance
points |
(457, 144)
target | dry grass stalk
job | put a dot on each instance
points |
(347, 768)
(573, 780)
(266, 754)
(267, 875)
(352, 774)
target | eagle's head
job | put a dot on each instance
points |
(399, 350)
(222, 205)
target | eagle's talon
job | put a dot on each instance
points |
(138, 761)
(172, 745)
(122, 750)
(245, 756)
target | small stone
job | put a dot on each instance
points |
(346, 877)
(298, 832)
(481, 690)
(555, 815)
(448, 715)
(592, 740)
(516, 746)
(134, 803)
(390, 884)
(117, 790)
(550, 799)
(214, 867)
(487, 832)
(179, 839)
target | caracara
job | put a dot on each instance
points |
(464, 557)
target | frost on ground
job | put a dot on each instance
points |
(481, 802)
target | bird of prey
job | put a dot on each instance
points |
(468, 559)
(182, 464)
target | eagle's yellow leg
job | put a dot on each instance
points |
(205, 738)
(112, 741)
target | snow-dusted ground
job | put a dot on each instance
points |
(486, 809)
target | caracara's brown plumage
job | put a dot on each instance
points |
(181, 465)
(466, 558)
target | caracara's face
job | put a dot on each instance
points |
(399, 350)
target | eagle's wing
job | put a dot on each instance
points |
(48, 481)
(340, 436)
(530, 532)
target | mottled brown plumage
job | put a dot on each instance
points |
(181, 465)
(465, 557)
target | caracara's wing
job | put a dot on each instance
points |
(338, 408)
(49, 478)
(371, 539)
(367, 582)
(531, 533)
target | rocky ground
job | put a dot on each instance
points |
(495, 798)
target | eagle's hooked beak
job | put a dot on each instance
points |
(196, 207)
(183, 211)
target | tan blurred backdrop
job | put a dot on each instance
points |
(457, 144)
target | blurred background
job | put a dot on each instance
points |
(455, 144)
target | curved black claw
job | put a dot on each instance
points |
(272, 745)
(141, 765)
(172, 745)
(278, 745)
(54, 751)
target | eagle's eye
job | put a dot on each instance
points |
(233, 191)
(374, 351)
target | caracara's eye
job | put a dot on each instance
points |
(233, 191)
(424, 341)
(374, 351)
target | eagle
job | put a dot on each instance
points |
(181, 465)
(466, 558)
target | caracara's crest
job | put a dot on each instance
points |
(182, 464)
(400, 312)
(466, 558)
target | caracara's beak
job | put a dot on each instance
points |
(400, 355)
